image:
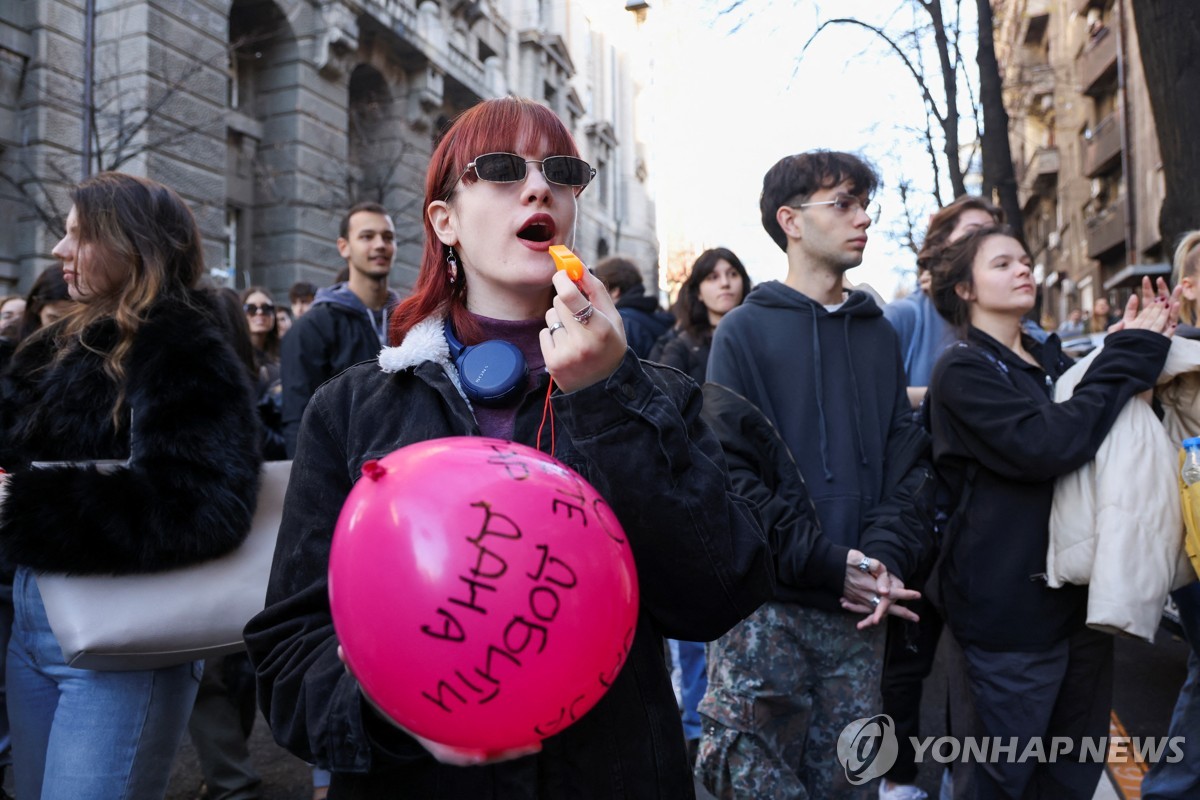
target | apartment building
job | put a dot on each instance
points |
(271, 117)
(1085, 147)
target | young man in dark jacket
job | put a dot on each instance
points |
(644, 321)
(347, 322)
(825, 368)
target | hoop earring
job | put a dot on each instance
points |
(451, 265)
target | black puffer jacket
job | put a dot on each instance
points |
(763, 471)
(703, 565)
(188, 491)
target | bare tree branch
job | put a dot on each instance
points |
(896, 48)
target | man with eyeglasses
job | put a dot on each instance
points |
(824, 366)
(347, 322)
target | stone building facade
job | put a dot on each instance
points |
(1085, 146)
(271, 117)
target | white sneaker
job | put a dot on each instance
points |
(901, 791)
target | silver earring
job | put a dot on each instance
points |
(452, 265)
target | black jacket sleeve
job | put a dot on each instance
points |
(311, 701)
(1011, 433)
(899, 529)
(188, 491)
(763, 471)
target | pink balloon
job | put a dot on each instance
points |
(484, 594)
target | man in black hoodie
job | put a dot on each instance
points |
(347, 322)
(825, 368)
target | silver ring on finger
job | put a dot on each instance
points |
(584, 315)
(865, 564)
(558, 326)
(875, 600)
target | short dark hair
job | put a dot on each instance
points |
(953, 268)
(620, 273)
(372, 207)
(795, 178)
(942, 223)
(301, 290)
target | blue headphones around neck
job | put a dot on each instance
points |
(492, 373)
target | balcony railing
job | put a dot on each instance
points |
(1103, 149)
(1097, 62)
(1041, 170)
(1040, 78)
(1106, 230)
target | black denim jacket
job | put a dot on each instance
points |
(703, 564)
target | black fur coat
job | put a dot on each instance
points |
(188, 490)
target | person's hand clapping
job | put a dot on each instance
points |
(1158, 312)
(584, 340)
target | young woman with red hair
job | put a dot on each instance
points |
(502, 188)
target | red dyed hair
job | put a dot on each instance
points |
(502, 125)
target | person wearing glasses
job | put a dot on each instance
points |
(824, 367)
(265, 338)
(502, 188)
(347, 322)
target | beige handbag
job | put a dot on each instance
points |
(133, 622)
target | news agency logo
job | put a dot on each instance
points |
(867, 748)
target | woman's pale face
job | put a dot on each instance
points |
(502, 233)
(11, 311)
(721, 290)
(1003, 278)
(262, 318)
(54, 311)
(282, 321)
(83, 280)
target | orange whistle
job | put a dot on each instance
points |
(565, 259)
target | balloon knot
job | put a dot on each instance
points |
(373, 470)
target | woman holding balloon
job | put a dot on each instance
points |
(501, 191)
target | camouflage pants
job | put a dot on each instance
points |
(781, 686)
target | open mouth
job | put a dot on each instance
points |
(537, 229)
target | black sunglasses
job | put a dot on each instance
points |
(511, 168)
(251, 309)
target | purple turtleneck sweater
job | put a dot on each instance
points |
(498, 422)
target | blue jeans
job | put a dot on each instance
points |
(6, 619)
(1181, 780)
(86, 735)
(692, 683)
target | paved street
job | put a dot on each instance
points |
(285, 777)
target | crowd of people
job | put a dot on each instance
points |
(824, 488)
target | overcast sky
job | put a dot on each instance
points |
(732, 98)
